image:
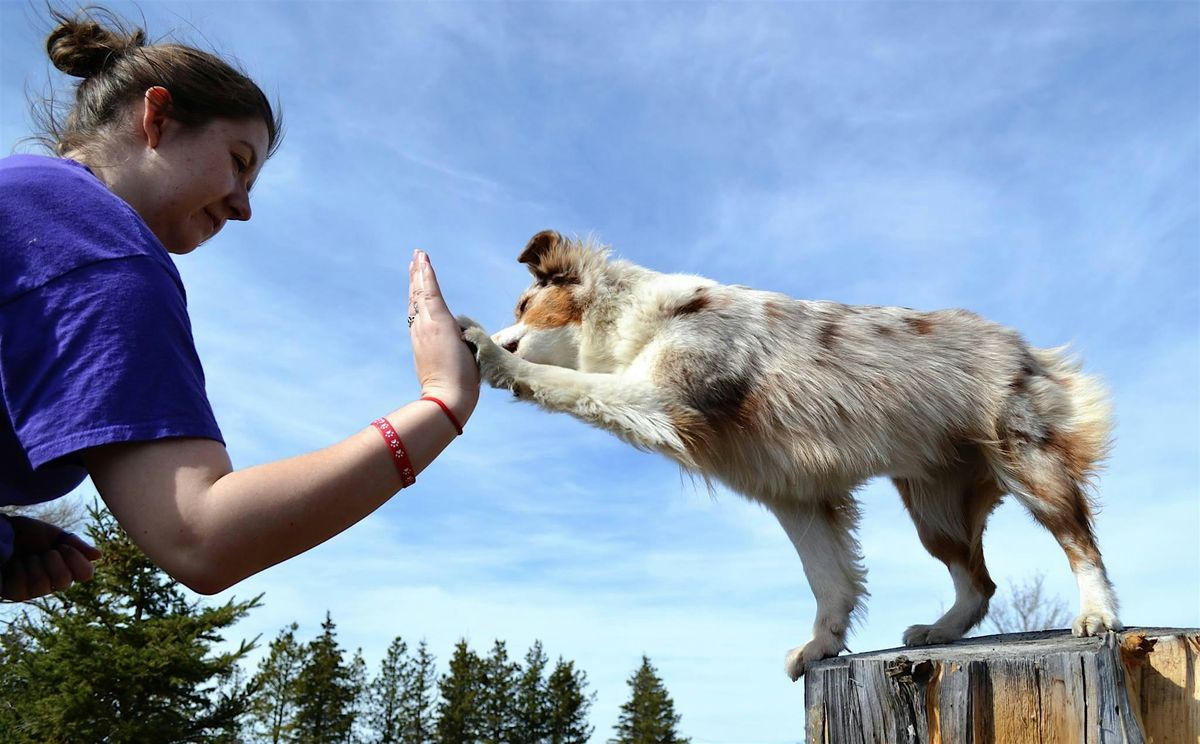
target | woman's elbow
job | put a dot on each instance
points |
(199, 570)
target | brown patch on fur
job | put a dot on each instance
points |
(695, 433)
(1053, 473)
(919, 325)
(842, 414)
(828, 335)
(553, 307)
(1071, 453)
(694, 305)
(713, 407)
(980, 495)
(538, 246)
(776, 312)
(882, 330)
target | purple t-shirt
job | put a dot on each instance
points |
(95, 342)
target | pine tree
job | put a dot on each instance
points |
(532, 703)
(459, 720)
(326, 690)
(124, 657)
(649, 717)
(385, 714)
(273, 704)
(497, 710)
(568, 705)
(417, 699)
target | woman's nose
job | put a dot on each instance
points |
(239, 205)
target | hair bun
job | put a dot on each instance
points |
(81, 46)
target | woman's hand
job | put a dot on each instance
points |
(45, 559)
(445, 366)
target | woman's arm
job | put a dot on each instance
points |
(210, 526)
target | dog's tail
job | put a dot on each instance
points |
(1077, 410)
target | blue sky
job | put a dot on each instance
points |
(1038, 163)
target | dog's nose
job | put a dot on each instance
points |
(511, 346)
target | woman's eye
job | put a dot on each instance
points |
(239, 164)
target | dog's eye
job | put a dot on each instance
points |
(521, 308)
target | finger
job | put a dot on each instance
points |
(15, 588)
(87, 550)
(413, 272)
(80, 567)
(432, 304)
(37, 583)
(56, 570)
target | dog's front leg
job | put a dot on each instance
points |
(633, 409)
(822, 533)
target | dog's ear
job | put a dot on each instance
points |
(537, 247)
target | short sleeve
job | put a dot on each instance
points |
(99, 355)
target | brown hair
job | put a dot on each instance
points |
(117, 67)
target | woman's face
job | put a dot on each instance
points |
(199, 178)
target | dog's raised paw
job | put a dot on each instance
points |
(464, 323)
(494, 362)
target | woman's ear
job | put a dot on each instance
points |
(158, 106)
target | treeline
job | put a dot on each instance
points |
(127, 658)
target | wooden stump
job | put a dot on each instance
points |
(1138, 686)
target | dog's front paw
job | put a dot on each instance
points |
(1095, 622)
(799, 659)
(496, 366)
(464, 323)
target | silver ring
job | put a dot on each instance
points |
(411, 318)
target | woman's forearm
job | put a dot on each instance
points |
(210, 526)
(259, 516)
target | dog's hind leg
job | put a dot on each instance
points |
(1040, 475)
(822, 533)
(950, 512)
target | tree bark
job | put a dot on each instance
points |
(1140, 686)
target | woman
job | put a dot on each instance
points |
(98, 370)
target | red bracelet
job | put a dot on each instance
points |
(449, 414)
(404, 465)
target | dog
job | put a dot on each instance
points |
(794, 404)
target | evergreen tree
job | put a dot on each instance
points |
(273, 704)
(532, 703)
(497, 710)
(459, 720)
(326, 691)
(125, 657)
(385, 696)
(649, 717)
(568, 705)
(359, 705)
(417, 699)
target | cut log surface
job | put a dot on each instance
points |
(1139, 686)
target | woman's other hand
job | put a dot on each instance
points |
(45, 559)
(445, 366)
